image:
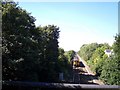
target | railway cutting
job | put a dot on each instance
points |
(82, 73)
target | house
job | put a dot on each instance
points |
(108, 52)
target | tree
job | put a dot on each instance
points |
(87, 50)
(17, 42)
(62, 60)
(70, 55)
(49, 42)
(111, 69)
(110, 73)
(94, 55)
(29, 53)
(64, 63)
(98, 58)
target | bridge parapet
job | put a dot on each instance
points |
(19, 85)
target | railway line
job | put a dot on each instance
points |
(82, 73)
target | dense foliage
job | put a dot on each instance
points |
(70, 55)
(64, 62)
(87, 50)
(111, 69)
(104, 66)
(29, 53)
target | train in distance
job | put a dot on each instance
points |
(76, 61)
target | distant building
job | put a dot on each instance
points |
(108, 52)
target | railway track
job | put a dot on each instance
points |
(82, 76)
